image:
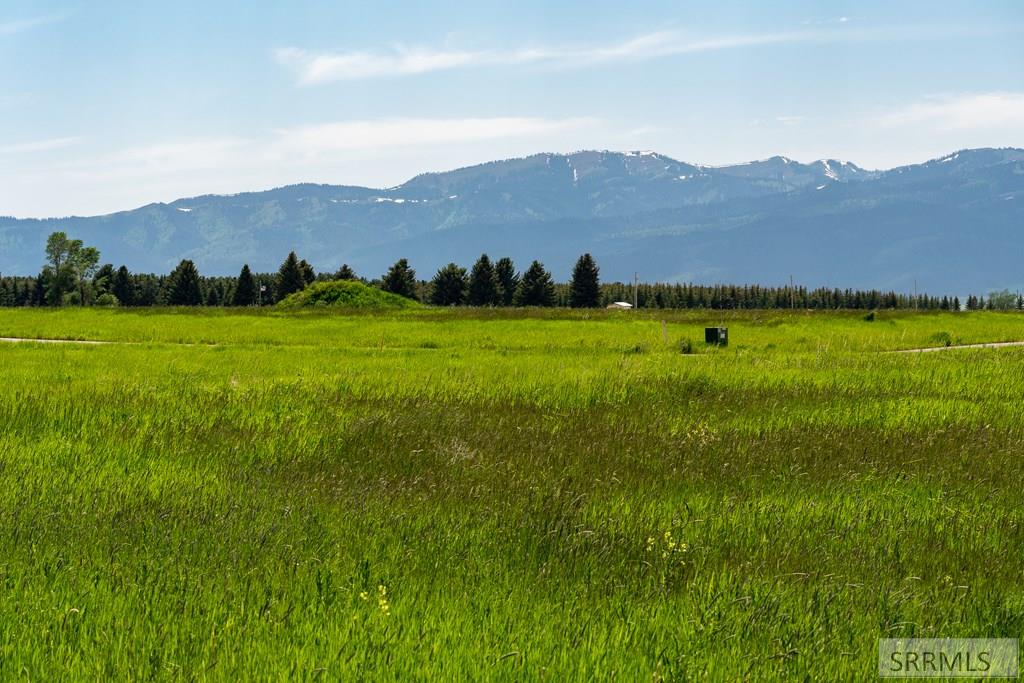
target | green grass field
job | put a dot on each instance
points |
(470, 495)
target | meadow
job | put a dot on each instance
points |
(513, 495)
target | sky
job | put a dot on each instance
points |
(108, 105)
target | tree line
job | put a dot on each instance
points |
(72, 276)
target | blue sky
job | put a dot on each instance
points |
(108, 105)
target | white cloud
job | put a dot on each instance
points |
(820, 22)
(313, 67)
(646, 131)
(378, 153)
(9, 28)
(961, 112)
(790, 120)
(323, 67)
(39, 145)
(318, 140)
(319, 68)
(180, 155)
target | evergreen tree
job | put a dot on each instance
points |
(400, 279)
(245, 288)
(585, 288)
(290, 278)
(345, 273)
(213, 295)
(148, 291)
(123, 287)
(183, 285)
(308, 274)
(39, 291)
(508, 280)
(483, 284)
(448, 288)
(536, 287)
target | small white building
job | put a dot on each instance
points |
(621, 305)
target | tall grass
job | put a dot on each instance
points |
(510, 495)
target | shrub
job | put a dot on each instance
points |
(345, 294)
(107, 300)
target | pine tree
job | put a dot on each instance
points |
(448, 288)
(308, 274)
(183, 285)
(245, 288)
(483, 284)
(400, 279)
(536, 287)
(147, 290)
(345, 273)
(123, 287)
(585, 288)
(39, 291)
(290, 278)
(508, 280)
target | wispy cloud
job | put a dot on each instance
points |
(301, 146)
(374, 151)
(322, 67)
(313, 67)
(790, 120)
(958, 112)
(821, 22)
(9, 28)
(39, 145)
(328, 138)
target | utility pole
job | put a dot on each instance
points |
(635, 281)
(915, 293)
(792, 294)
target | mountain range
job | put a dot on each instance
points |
(950, 225)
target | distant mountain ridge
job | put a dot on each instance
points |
(953, 224)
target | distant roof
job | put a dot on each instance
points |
(620, 304)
